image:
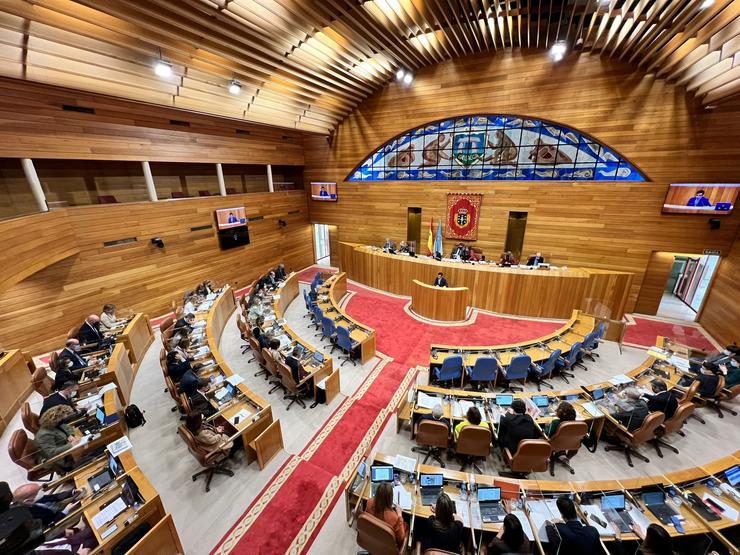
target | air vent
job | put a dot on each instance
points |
(255, 218)
(294, 212)
(81, 109)
(180, 122)
(201, 227)
(243, 132)
(119, 242)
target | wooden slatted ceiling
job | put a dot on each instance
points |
(305, 64)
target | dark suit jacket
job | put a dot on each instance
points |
(708, 384)
(295, 367)
(65, 375)
(280, 273)
(573, 537)
(182, 325)
(515, 427)
(177, 368)
(664, 402)
(441, 282)
(77, 361)
(535, 260)
(633, 419)
(88, 334)
(53, 400)
(189, 383)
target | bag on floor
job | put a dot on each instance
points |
(134, 416)
(590, 442)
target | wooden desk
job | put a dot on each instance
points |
(137, 336)
(330, 295)
(446, 304)
(16, 385)
(553, 293)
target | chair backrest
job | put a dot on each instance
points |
(690, 393)
(42, 383)
(601, 331)
(196, 450)
(575, 352)
(172, 389)
(549, 365)
(166, 323)
(318, 313)
(484, 369)
(646, 432)
(22, 450)
(720, 387)
(673, 424)
(256, 350)
(568, 436)
(375, 535)
(532, 455)
(107, 199)
(29, 418)
(343, 339)
(54, 362)
(432, 433)
(166, 335)
(327, 326)
(231, 191)
(243, 329)
(204, 193)
(286, 376)
(518, 368)
(475, 441)
(306, 300)
(451, 368)
(732, 392)
(184, 402)
(270, 362)
(590, 340)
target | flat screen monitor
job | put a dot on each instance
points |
(431, 480)
(504, 400)
(489, 494)
(541, 400)
(324, 191)
(381, 473)
(100, 415)
(614, 501)
(226, 218)
(707, 199)
(733, 475)
(231, 225)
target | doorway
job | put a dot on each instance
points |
(687, 286)
(515, 233)
(413, 228)
(321, 244)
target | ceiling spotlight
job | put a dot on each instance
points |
(399, 74)
(235, 88)
(558, 50)
(706, 4)
(408, 78)
(163, 69)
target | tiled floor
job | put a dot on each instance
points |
(673, 307)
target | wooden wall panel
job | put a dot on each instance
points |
(599, 225)
(38, 311)
(653, 282)
(720, 315)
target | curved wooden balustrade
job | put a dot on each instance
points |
(447, 304)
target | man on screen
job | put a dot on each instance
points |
(323, 192)
(699, 199)
(232, 219)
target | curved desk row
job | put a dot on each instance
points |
(552, 293)
(528, 499)
(330, 294)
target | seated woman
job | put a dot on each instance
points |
(108, 320)
(507, 259)
(472, 417)
(564, 413)
(381, 506)
(274, 349)
(510, 539)
(445, 529)
(54, 437)
(208, 437)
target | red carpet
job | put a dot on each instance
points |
(647, 330)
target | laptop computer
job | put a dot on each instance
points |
(613, 507)
(504, 400)
(430, 486)
(491, 508)
(733, 475)
(597, 394)
(318, 357)
(541, 401)
(100, 480)
(655, 502)
(360, 476)
(380, 474)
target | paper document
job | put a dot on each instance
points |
(680, 363)
(119, 446)
(525, 524)
(657, 352)
(221, 393)
(407, 464)
(242, 415)
(402, 498)
(88, 402)
(620, 379)
(426, 401)
(540, 511)
(109, 513)
(106, 388)
(727, 510)
(476, 521)
(462, 510)
(235, 379)
(595, 510)
(592, 409)
(200, 324)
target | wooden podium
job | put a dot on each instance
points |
(448, 304)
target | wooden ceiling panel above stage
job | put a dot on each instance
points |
(305, 64)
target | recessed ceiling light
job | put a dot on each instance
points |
(163, 69)
(706, 4)
(235, 88)
(399, 74)
(558, 50)
(408, 78)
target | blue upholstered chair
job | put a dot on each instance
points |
(484, 371)
(318, 316)
(518, 370)
(346, 344)
(542, 372)
(565, 364)
(589, 348)
(328, 330)
(309, 304)
(451, 369)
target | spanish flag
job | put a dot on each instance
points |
(430, 240)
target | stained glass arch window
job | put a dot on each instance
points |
(492, 148)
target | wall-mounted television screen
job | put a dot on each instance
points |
(709, 199)
(324, 191)
(231, 224)
(231, 217)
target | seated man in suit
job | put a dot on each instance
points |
(437, 415)
(293, 362)
(90, 335)
(632, 411)
(661, 400)
(389, 246)
(536, 260)
(177, 365)
(64, 396)
(71, 352)
(271, 280)
(190, 382)
(516, 426)
(568, 534)
(199, 400)
(280, 271)
(440, 281)
(458, 252)
(66, 374)
(185, 324)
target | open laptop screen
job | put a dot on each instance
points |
(381, 473)
(615, 501)
(653, 498)
(431, 480)
(504, 400)
(733, 475)
(489, 494)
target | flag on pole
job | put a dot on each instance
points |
(430, 239)
(438, 240)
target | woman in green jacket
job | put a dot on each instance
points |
(54, 437)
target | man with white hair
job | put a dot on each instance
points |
(633, 410)
(437, 415)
